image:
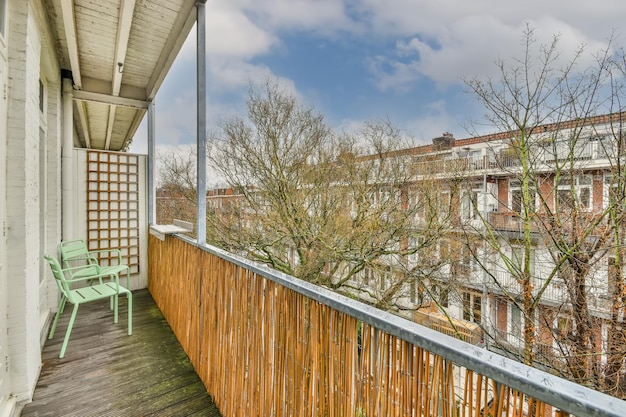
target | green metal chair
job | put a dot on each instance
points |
(98, 290)
(75, 253)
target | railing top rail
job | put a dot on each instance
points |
(561, 393)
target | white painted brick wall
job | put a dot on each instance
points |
(23, 190)
(53, 177)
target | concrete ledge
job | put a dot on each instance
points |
(162, 230)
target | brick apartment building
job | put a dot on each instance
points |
(573, 167)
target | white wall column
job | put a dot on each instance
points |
(67, 149)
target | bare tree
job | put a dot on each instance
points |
(548, 166)
(330, 209)
(615, 369)
(176, 192)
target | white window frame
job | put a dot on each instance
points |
(470, 202)
(515, 330)
(608, 184)
(517, 256)
(516, 186)
(469, 314)
(582, 182)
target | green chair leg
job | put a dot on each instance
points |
(130, 313)
(56, 318)
(64, 299)
(115, 309)
(69, 331)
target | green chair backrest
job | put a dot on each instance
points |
(73, 249)
(59, 277)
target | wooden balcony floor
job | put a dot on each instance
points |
(107, 373)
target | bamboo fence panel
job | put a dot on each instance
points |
(262, 349)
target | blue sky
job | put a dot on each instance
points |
(360, 60)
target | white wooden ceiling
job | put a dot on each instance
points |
(119, 52)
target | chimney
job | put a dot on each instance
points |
(443, 143)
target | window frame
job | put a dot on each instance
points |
(515, 187)
(565, 187)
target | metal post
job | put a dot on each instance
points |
(486, 304)
(201, 140)
(151, 159)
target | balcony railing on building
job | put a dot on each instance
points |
(463, 330)
(596, 148)
(504, 282)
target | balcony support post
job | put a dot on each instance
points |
(201, 120)
(151, 158)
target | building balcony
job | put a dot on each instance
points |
(264, 343)
(508, 221)
(459, 329)
(592, 151)
(107, 372)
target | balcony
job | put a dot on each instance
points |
(261, 342)
(508, 221)
(589, 151)
(264, 343)
(555, 291)
(107, 372)
(464, 330)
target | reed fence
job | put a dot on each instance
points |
(266, 344)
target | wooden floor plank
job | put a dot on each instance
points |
(107, 373)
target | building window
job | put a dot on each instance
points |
(611, 278)
(441, 294)
(418, 204)
(517, 197)
(466, 261)
(574, 193)
(516, 323)
(445, 202)
(472, 307)
(613, 191)
(467, 300)
(444, 295)
(415, 248)
(416, 292)
(469, 203)
(368, 275)
(517, 260)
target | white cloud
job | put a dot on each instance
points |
(432, 123)
(434, 41)
(444, 41)
(321, 16)
(229, 33)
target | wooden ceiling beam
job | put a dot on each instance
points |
(69, 26)
(124, 23)
(83, 95)
(127, 9)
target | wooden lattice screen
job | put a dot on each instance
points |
(113, 205)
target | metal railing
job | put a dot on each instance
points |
(265, 343)
(542, 152)
(505, 282)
